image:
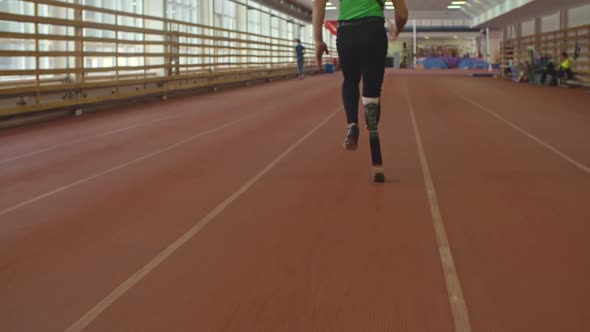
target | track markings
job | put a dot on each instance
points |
(534, 138)
(260, 112)
(134, 161)
(99, 135)
(113, 296)
(456, 300)
(89, 138)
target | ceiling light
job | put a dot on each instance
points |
(331, 8)
(453, 7)
(458, 2)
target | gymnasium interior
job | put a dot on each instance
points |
(163, 167)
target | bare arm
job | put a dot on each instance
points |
(401, 15)
(319, 13)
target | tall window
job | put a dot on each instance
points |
(265, 24)
(8, 63)
(225, 14)
(184, 10)
(254, 26)
(290, 30)
(130, 6)
(108, 48)
(274, 26)
(254, 18)
(225, 17)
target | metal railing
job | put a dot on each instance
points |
(552, 44)
(74, 60)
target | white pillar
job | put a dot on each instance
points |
(538, 25)
(563, 19)
(488, 55)
(518, 30)
(415, 45)
(241, 18)
(206, 12)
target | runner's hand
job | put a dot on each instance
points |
(392, 33)
(401, 18)
(320, 49)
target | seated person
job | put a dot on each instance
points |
(549, 70)
(565, 70)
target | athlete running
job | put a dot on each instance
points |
(362, 51)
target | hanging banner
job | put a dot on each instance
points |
(332, 26)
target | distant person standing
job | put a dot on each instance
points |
(299, 52)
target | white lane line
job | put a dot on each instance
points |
(89, 138)
(551, 148)
(113, 296)
(134, 161)
(458, 307)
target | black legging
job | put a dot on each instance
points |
(562, 73)
(362, 50)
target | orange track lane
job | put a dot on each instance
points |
(516, 213)
(310, 244)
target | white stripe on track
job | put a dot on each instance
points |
(89, 138)
(539, 141)
(129, 163)
(113, 296)
(456, 300)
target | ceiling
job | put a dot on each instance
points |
(531, 9)
(412, 4)
(424, 9)
(481, 13)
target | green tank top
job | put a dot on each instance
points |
(355, 9)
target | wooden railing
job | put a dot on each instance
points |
(552, 44)
(118, 61)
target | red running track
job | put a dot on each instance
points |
(239, 211)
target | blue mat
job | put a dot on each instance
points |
(435, 63)
(470, 63)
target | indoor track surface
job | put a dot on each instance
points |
(241, 211)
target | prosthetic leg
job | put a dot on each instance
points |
(372, 114)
